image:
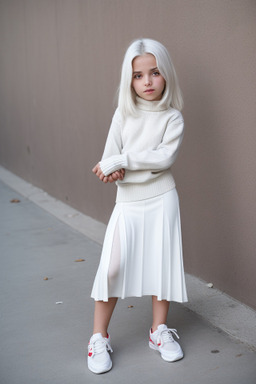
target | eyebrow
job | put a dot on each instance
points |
(151, 70)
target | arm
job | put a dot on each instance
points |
(155, 160)
(113, 144)
(112, 147)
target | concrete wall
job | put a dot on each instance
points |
(59, 69)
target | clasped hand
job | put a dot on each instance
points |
(117, 175)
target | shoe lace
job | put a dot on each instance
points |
(166, 336)
(99, 346)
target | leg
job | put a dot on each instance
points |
(160, 312)
(102, 315)
(104, 310)
(160, 338)
(99, 347)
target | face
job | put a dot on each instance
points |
(147, 81)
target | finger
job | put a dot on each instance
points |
(101, 176)
(99, 172)
(95, 168)
(115, 175)
(118, 175)
(121, 173)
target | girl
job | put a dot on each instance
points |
(142, 250)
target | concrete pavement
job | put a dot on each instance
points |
(45, 324)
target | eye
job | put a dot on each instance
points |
(137, 76)
(156, 73)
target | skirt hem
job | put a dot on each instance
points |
(181, 301)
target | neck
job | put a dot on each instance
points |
(146, 105)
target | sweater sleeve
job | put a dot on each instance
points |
(154, 160)
(113, 144)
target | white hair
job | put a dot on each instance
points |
(172, 94)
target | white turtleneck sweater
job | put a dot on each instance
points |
(146, 146)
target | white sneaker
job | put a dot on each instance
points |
(99, 360)
(162, 341)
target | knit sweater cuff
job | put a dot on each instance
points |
(113, 163)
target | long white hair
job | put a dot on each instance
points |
(172, 94)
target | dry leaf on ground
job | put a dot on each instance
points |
(15, 201)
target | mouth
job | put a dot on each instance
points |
(149, 91)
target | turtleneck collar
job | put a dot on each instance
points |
(153, 106)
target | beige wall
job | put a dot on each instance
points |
(59, 69)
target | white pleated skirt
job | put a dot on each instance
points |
(142, 251)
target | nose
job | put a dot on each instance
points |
(147, 80)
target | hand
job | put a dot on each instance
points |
(117, 175)
(98, 172)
